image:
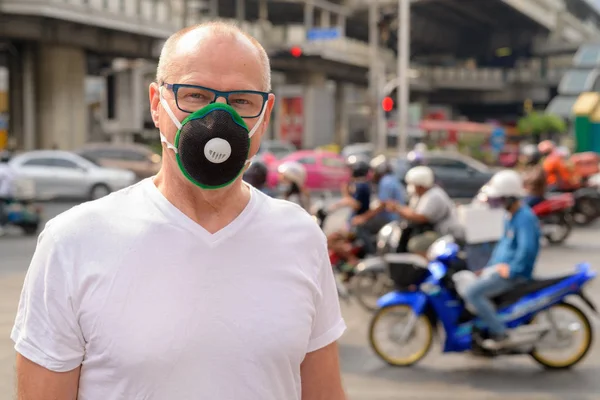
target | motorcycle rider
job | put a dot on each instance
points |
(433, 212)
(389, 187)
(358, 198)
(534, 176)
(513, 258)
(292, 183)
(558, 174)
(256, 175)
(6, 187)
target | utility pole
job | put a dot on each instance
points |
(403, 70)
(375, 75)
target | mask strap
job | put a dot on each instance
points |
(168, 109)
(255, 128)
(164, 140)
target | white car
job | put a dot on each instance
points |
(62, 174)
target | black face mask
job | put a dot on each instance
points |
(212, 145)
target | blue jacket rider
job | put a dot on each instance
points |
(513, 258)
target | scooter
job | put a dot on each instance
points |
(587, 205)
(426, 297)
(24, 215)
(369, 280)
(556, 217)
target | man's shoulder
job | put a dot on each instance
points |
(96, 215)
(288, 215)
(526, 215)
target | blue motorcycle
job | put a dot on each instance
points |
(427, 298)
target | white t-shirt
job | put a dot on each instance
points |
(441, 212)
(155, 307)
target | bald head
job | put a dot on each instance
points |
(189, 40)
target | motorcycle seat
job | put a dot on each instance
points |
(513, 295)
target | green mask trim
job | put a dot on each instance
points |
(201, 113)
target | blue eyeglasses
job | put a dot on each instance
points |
(191, 98)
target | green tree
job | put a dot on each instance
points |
(537, 124)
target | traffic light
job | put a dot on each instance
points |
(387, 104)
(296, 51)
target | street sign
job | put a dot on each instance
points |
(497, 139)
(318, 34)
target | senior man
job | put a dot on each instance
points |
(190, 284)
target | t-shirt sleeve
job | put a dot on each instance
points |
(431, 206)
(328, 324)
(46, 330)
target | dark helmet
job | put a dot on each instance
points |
(380, 165)
(360, 169)
(256, 174)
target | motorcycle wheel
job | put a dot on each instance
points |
(564, 222)
(548, 360)
(369, 286)
(586, 212)
(422, 325)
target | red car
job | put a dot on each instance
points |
(324, 170)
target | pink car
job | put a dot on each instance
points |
(324, 170)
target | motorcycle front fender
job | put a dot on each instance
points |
(415, 300)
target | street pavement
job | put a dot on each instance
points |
(443, 377)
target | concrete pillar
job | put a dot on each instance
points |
(30, 125)
(263, 10)
(341, 24)
(129, 101)
(62, 109)
(15, 99)
(341, 115)
(319, 111)
(240, 10)
(324, 19)
(214, 8)
(309, 15)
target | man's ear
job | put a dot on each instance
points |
(154, 94)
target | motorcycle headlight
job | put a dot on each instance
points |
(439, 247)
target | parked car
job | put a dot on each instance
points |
(137, 158)
(325, 170)
(459, 175)
(360, 150)
(62, 174)
(277, 148)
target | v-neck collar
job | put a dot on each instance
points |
(175, 215)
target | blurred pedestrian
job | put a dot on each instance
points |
(190, 284)
(534, 176)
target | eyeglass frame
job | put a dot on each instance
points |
(174, 87)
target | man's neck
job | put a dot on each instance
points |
(514, 208)
(211, 209)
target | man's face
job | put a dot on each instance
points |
(420, 190)
(214, 61)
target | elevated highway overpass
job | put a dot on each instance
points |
(50, 46)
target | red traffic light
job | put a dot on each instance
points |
(296, 51)
(387, 104)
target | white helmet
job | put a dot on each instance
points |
(420, 147)
(420, 176)
(506, 183)
(293, 171)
